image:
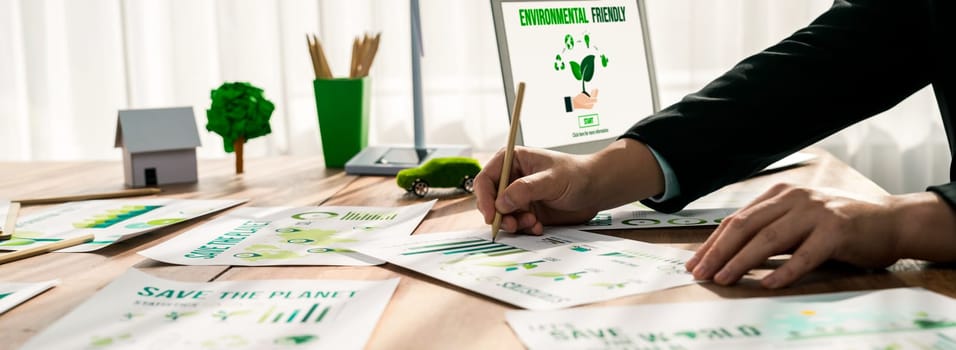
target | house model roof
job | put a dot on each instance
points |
(161, 129)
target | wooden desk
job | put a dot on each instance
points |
(424, 312)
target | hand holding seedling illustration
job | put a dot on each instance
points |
(582, 70)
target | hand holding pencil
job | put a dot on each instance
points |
(535, 187)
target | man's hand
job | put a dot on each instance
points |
(549, 188)
(817, 226)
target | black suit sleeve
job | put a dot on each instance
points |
(947, 192)
(857, 59)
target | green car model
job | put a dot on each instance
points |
(440, 172)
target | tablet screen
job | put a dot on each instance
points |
(585, 66)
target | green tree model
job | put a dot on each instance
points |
(238, 113)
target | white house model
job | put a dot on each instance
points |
(159, 145)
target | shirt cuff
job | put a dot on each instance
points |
(671, 187)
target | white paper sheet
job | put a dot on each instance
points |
(15, 293)
(559, 269)
(253, 236)
(903, 318)
(139, 311)
(110, 220)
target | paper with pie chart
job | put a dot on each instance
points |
(559, 269)
(268, 236)
(109, 220)
(14, 293)
(139, 311)
(901, 318)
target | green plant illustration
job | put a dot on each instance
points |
(239, 112)
(583, 70)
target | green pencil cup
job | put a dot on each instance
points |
(343, 106)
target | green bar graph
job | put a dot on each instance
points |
(289, 316)
(446, 244)
(468, 247)
(321, 315)
(478, 248)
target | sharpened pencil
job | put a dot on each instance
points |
(509, 155)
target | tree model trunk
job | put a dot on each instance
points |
(238, 147)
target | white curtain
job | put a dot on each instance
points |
(67, 66)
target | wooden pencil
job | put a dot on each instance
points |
(82, 197)
(45, 248)
(314, 56)
(373, 49)
(323, 61)
(509, 155)
(353, 68)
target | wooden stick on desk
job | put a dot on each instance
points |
(10, 225)
(46, 248)
(83, 197)
(509, 154)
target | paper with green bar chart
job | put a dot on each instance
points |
(109, 220)
(902, 318)
(140, 311)
(269, 236)
(559, 269)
